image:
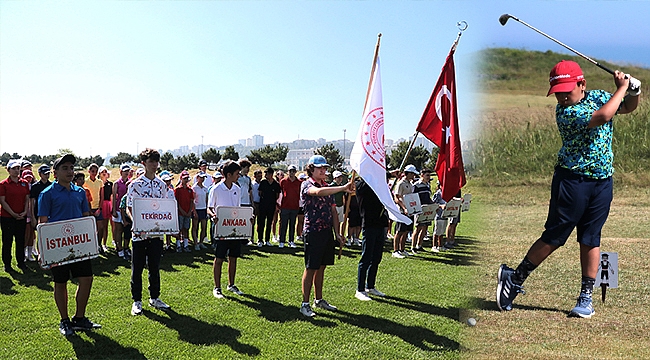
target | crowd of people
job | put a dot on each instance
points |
(307, 207)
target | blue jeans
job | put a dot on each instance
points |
(372, 249)
(287, 217)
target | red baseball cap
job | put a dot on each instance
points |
(564, 76)
(185, 174)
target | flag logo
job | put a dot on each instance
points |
(373, 136)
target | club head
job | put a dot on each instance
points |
(503, 19)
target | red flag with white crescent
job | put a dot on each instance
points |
(439, 123)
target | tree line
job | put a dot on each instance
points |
(265, 156)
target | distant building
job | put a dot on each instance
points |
(299, 157)
(243, 142)
(258, 141)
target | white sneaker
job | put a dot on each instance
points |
(217, 293)
(307, 311)
(324, 305)
(136, 308)
(268, 243)
(357, 242)
(362, 295)
(375, 292)
(159, 304)
(234, 289)
(348, 243)
(260, 244)
(292, 244)
(435, 249)
(281, 245)
(404, 253)
(397, 254)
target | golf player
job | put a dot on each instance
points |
(581, 189)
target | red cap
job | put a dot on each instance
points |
(564, 76)
(185, 174)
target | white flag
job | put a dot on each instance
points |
(368, 156)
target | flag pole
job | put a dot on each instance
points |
(347, 211)
(372, 71)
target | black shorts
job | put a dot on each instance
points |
(227, 248)
(354, 219)
(577, 203)
(319, 249)
(61, 274)
(401, 227)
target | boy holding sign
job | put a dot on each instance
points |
(225, 193)
(146, 249)
(64, 201)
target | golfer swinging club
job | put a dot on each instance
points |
(581, 190)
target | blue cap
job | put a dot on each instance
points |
(318, 161)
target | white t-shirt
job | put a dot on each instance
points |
(207, 181)
(200, 197)
(220, 195)
(245, 185)
(256, 192)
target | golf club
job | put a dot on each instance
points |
(503, 19)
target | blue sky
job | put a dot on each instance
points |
(103, 77)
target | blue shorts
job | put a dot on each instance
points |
(184, 222)
(202, 214)
(577, 202)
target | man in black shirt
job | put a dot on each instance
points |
(44, 173)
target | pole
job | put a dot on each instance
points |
(372, 72)
(347, 211)
(344, 149)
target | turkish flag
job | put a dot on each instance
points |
(439, 123)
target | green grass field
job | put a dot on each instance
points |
(421, 318)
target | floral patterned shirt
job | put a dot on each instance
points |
(585, 151)
(317, 209)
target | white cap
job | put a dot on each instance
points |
(336, 174)
(13, 163)
(412, 169)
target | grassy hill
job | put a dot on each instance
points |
(519, 139)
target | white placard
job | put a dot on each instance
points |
(155, 216)
(67, 241)
(467, 199)
(233, 223)
(412, 203)
(428, 213)
(452, 209)
(607, 270)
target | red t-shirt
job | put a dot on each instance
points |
(290, 194)
(185, 197)
(14, 193)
